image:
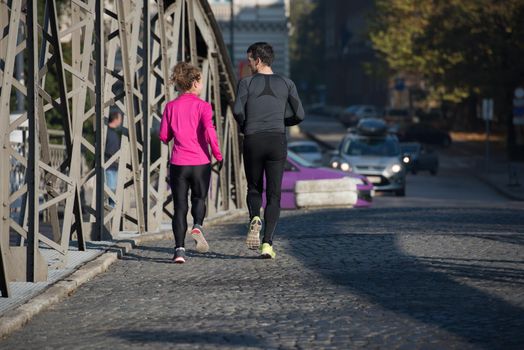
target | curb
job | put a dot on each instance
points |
(500, 190)
(58, 291)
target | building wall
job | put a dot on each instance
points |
(255, 20)
(347, 50)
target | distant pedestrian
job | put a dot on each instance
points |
(188, 121)
(265, 104)
(112, 147)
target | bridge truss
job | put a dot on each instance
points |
(81, 60)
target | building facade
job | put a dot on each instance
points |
(253, 21)
(348, 51)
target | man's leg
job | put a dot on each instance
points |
(274, 172)
(254, 168)
(111, 180)
(179, 189)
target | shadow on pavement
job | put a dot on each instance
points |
(369, 262)
(181, 338)
(136, 255)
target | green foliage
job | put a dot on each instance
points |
(459, 47)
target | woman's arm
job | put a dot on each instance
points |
(210, 132)
(166, 133)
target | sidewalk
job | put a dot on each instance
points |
(29, 299)
(505, 179)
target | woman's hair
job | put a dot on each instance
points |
(184, 75)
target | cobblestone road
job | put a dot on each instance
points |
(380, 278)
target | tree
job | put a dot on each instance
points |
(460, 48)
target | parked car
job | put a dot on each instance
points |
(418, 157)
(309, 150)
(425, 133)
(353, 114)
(370, 150)
(297, 168)
(398, 116)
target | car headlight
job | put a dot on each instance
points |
(396, 168)
(345, 166)
(406, 159)
(334, 164)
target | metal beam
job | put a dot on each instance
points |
(34, 151)
(146, 122)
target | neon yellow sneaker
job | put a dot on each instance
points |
(267, 252)
(253, 234)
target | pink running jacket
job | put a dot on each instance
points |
(188, 121)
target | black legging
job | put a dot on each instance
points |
(182, 178)
(265, 153)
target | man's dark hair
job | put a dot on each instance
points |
(114, 116)
(262, 50)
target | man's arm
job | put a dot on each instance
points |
(295, 102)
(239, 109)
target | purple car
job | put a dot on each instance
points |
(298, 168)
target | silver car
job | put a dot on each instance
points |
(376, 155)
(309, 150)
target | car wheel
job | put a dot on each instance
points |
(400, 193)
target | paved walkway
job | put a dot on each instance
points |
(389, 277)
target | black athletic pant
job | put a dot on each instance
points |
(182, 178)
(265, 154)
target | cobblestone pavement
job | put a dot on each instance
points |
(429, 278)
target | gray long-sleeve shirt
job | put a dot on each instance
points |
(263, 101)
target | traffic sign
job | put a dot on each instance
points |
(487, 109)
(518, 107)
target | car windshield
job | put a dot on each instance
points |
(372, 146)
(299, 160)
(304, 149)
(352, 108)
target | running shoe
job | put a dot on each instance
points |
(253, 234)
(200, 240)
(267, 252)
(180, 256)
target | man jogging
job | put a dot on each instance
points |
(266, 103)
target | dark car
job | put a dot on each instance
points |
(417, 157)
(426, 134)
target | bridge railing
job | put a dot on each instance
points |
(83, 60)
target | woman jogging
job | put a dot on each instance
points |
(187, 120)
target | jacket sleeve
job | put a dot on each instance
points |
(165, 134)
(210, 132)
(295, 103)
(239, 109)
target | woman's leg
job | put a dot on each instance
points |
(199, 182)
(179, 188)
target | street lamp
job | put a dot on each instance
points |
(232, 31)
